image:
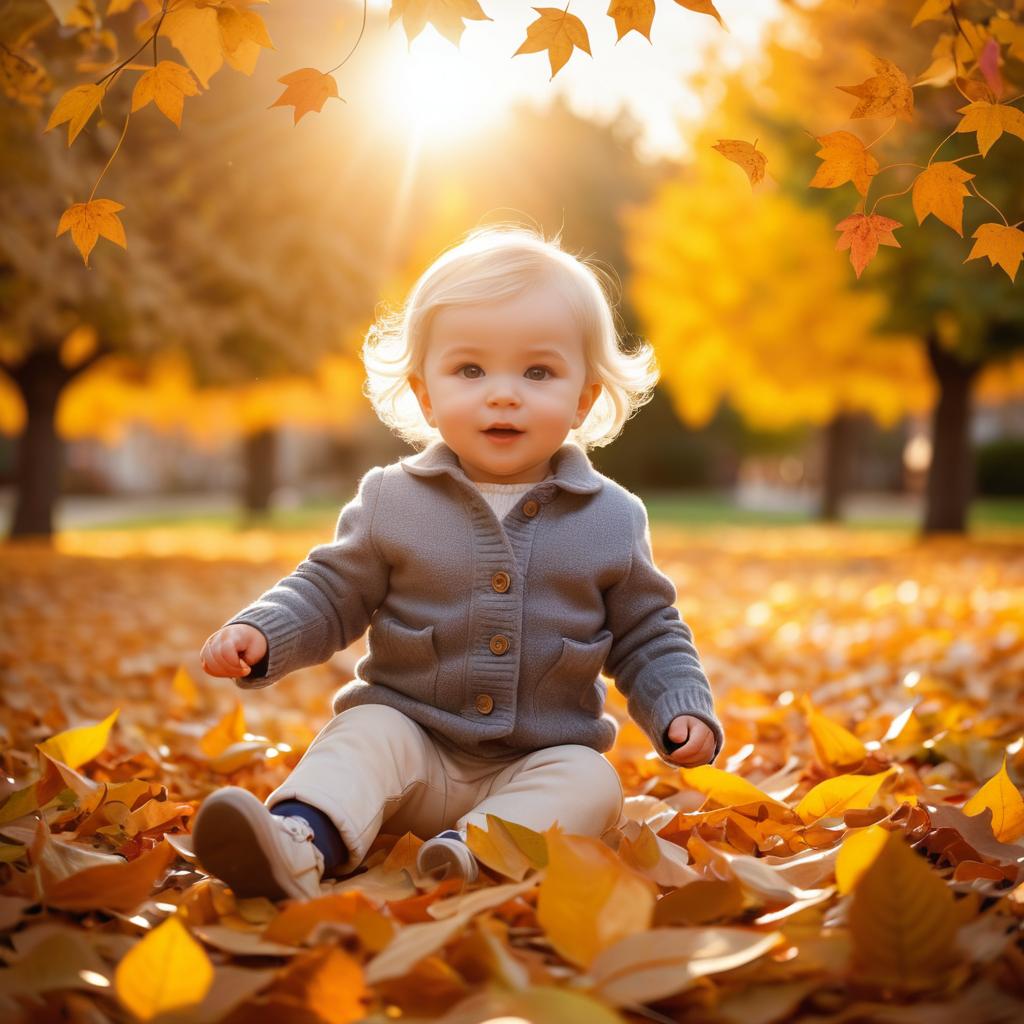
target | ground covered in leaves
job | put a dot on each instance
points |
(856, 854)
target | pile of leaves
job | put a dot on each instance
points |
(856, 853)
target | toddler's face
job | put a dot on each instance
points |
(519, 364)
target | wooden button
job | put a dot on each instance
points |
(501, 581)
(531, 508)
(484, 703)
(499, 644)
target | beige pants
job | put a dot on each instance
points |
(372, 768)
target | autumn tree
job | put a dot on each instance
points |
(261, 286)
(966, 316)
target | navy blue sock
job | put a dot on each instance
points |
(326, 837)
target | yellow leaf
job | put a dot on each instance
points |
(902, 920)
(185, 687)
(931, 10)
(447, 16)
(589, 899)
(195, 32)
(990, 120)
(88, 221)
(836, 747)
(886, 94)
(1003, 245)
(167, 84)
(168, 970)
(229, 730)
(862, 235)
(833, 796)
(702, 7)
(74, 747)
(558, 32)
(748, 156)
(845, 159)
(496, 848)
(630, 15)
(939, 189)
(1006, 803)
(76, 106)
(307, 89)
(326, 984)
(725, 788)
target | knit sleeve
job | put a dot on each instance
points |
(327, 602)
(652, 660)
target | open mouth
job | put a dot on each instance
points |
(502, 432)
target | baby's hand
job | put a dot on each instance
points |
(698, 741)
(231, 650)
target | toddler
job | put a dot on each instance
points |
(498, 572)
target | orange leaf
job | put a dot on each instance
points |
(939, 189)
(931, 10)
(76, 106)
(229, 730)
(845, 159)
(88, 221)
(447, 16)
(886, 94)
(589, 899)
(326, 984)
(167, 85)
(632, 15)
(307, 89)
(902, 920)
(557, 32)
(836, 747)
(748, 156)
(119, 887)
(1004, 246)
(990, 120)
(702, 7)
(862, 235)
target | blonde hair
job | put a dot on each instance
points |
(490, 264)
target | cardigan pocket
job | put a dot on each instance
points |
(404, 657)
(574, 682)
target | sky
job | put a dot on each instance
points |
(444, 92)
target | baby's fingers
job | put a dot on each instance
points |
(694, 752)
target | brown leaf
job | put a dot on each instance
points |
(886, 94)
(120, 887)
(747, 155)
(862, 235)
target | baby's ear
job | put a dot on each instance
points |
(419, 389)
(588, 397)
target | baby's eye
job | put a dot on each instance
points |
(542, 370)
(470, 366)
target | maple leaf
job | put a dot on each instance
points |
(1003, 245)
(931, 10)
(632, 15)
(886, 94)
(167, 85)
(747, 155)
(939, 189)
(447, 16)
(862, 235)
(990, 120)
(845, 159)
(307, 89)
(557, 32)
(87, 221)
(702, 7)
(76, 106)
(207, 35)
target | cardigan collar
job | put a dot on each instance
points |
(570, 466)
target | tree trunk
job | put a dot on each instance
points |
(950, 476)
(40, 379)
(260, 472)
(835, 471)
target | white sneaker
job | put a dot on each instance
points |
(447, 852)
(257, 853)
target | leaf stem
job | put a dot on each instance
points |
(124, 131)
(891, 195)
(974, 189)
(145, 43)
(940, 145)
(892, 124)
(355, 44)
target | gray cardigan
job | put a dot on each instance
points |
(493, 634)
